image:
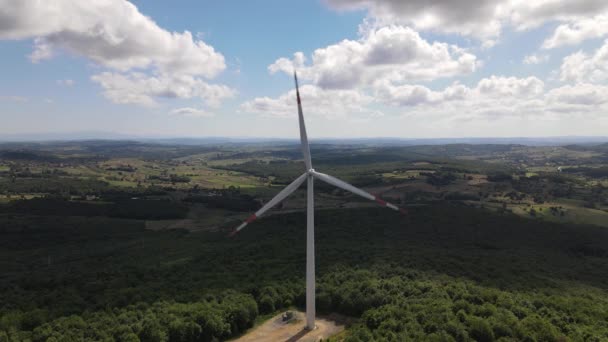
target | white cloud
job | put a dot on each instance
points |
(139, 88)
(407, 95)
(492, 89)
(478, 18)
(413, 95)
(526, 98)
(287, 65)
(583, 94)
(114, 34)
(191, 112)
(42, 50)
(535, 59)
(393, 53)
(525, 14)
(510, 86)
(575, 32)
(492, 98)
(582, 67)
(385, 67)
(318, 102)
(581, 100)
(346, 102)
(67, 82)
(484, 19)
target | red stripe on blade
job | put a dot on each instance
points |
(251, 218)
(379, 200)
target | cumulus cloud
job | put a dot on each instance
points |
(393, 53)
(484, 19)
(42, 50)
(383, 67)
(510, 86)
(112, 33)
(479, 18)
(414, 95)
(319, 102)
(577, 31)
(407, 95)
(581, 100)
(115, 35)
(491, 98)
(583, 94)
(139, 88)
(535, 59)
(491, 88)
(512, 97)
(583, 67)
(191, 113)
(529, 14)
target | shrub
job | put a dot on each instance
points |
(539, 329)
(267, 304)
(480, 330)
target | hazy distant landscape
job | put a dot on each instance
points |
(125, 239)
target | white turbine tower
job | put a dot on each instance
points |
(310, 176)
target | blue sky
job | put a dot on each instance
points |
(369, 69)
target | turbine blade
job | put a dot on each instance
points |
(303, 135)
(288, 190)
(345, 186)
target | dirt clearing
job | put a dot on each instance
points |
(276, 330)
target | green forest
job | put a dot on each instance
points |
(80, 261)
(443, 273)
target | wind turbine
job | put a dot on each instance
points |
(309, 175)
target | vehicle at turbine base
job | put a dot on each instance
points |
(309, 176)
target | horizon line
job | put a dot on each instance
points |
(53, 137)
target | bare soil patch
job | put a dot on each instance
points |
(275, 329)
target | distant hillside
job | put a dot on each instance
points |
(27, 155)
(384, 141)
(597, 148)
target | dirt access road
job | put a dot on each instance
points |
(276, 330)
